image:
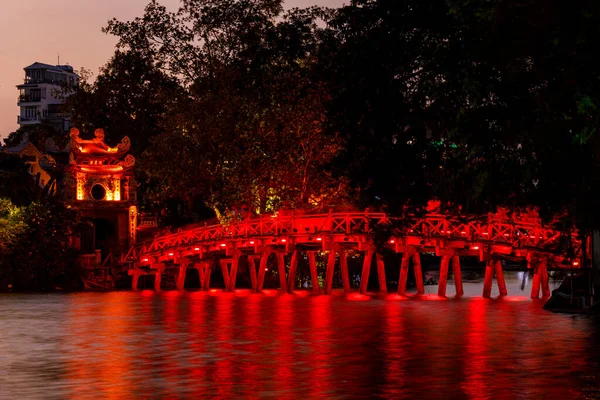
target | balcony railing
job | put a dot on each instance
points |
(21, 119)
(28, 99)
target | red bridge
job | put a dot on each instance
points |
(286, 236)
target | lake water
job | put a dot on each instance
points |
(218, 345)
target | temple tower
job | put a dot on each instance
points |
(97, 180)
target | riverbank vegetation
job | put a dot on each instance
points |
(35, 234)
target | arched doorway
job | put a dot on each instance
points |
(104, 234)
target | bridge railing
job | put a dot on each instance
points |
(524, 233)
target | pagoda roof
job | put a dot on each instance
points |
(96, 148)
(91, 156)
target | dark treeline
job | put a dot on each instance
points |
(243, 107)
(238, 107)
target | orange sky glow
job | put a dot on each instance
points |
(38, 30)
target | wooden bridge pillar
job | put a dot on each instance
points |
(292, 274)
(364, 277)
(252, 269)
(488, 280)
(225, 272)
(457, 275)
(416, 258)
(443, 275)
(261, 271)
(181, 277)
(281, 272)
(207, 273)
(313, 271)
(404, 266)
(135, 278)
(540, 278)
(344, 267)
(235, 259)
(160, 267)
(500, 279)
(329, 273)
(201, 268)
(403, 274)
(490, 267)
(381, 273)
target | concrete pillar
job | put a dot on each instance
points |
(181, 277)
(313, 271)
(416, 258)
(457, 276)
(442, 283)
(344, 267)
(330, 271)
(489, 277)
(381, 273)
(281, 272)
(292, 274)
(500, 278)
(366, 270)
(403, 274)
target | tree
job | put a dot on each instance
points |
(249, 134)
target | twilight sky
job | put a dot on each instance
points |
(38, 30)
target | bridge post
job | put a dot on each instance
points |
(281, 272)
(207, 272)
(225, 272)
(544, 278)
(233, 273)
(158, 276)
(292, 274)
(443, 276)
(416, 257)
(261, 271)
(200, 268)
(330, 270)
(364, 276)
(489, 277)
(457, 275)
(403, 273)
(344, 267)
(313, 271)
(135, 278)
(381, 273)
(500, 278)
(252, 269)
(535, 285)
(181, 277)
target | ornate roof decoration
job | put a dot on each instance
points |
(96, 146)
(128, 162)
(51, 146)
(47, 162)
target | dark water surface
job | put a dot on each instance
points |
(219, 345)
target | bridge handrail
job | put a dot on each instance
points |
(524, 233)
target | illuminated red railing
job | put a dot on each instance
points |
(525, 233)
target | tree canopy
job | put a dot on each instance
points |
(379, 103)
